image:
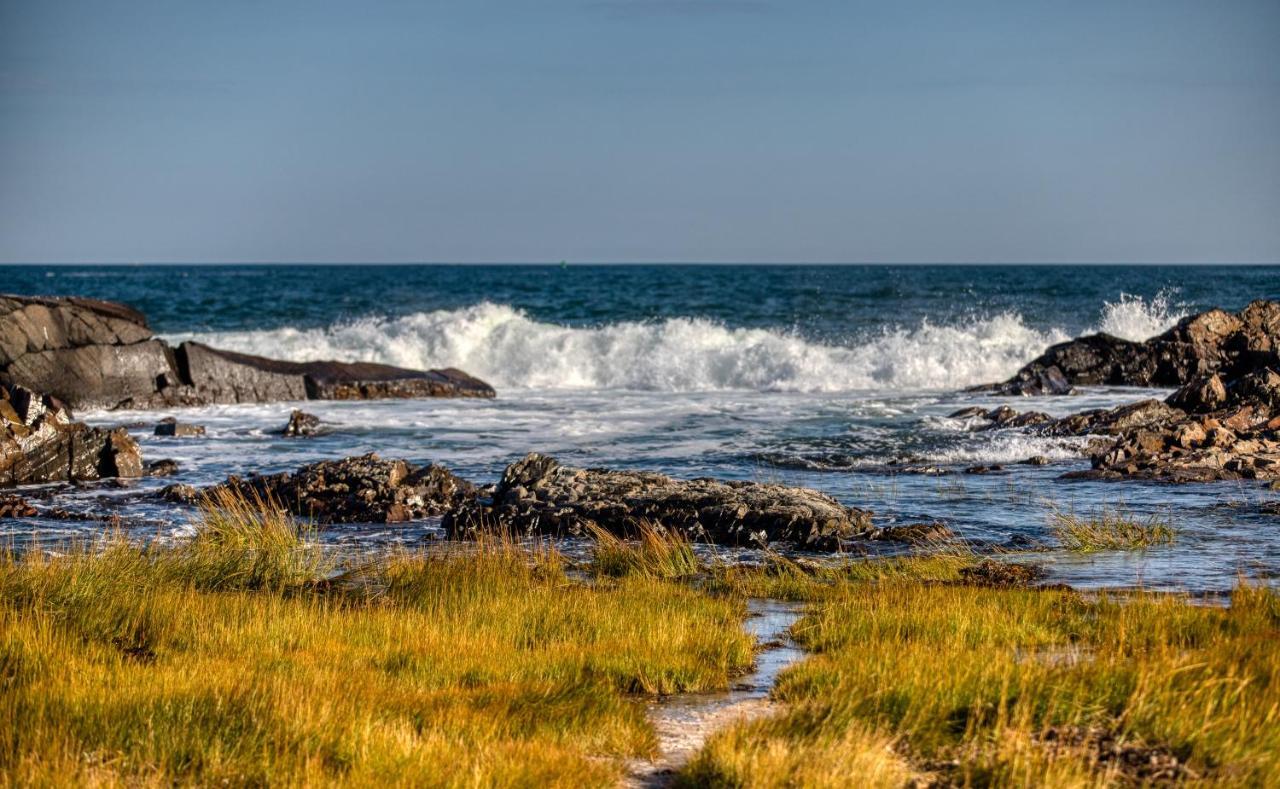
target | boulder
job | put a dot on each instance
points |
(301, 424)
(171, 428)
(537, 495)
(40, 443)
(97, 354)
(1216, 341)
(364, 489)
(165, 467)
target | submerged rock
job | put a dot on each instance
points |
(301, 424)
(172, 428)
(990, 572)
(40, 443)
(166, 467)
(99, 354)
(12, 506)
(537, 495)
(914, 533)
(998, 418)
(364, 489)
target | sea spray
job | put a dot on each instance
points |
(510, 349)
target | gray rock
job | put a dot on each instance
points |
(364, 489)
(301, 424)
(95, 354)
(172, 428)
(537, 495)
(39, 443)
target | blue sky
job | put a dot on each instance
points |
(640, 130)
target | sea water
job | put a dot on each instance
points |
(833, 377)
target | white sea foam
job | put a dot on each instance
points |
(505, 346)
(1134, 318)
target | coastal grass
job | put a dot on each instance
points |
(657, 552)
(1109, 529)
(945, 683)
(243, 657)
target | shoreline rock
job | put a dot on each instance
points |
(363, 489)
(1216, 341)
(99, 354)
(40, 443)
(538, 495)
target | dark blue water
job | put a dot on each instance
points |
(831, 302)
(825, 376)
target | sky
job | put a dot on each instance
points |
(640, 130)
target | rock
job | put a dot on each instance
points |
(162, 468)
(1036, 460)
(999, 418)
(1202, 395)
(97, 354)
(1215, 341)
(537, 495)
(990, 572)
(172, 428)
(12, 506)
(180, 494)
(364, 489)
(301, 424)
(1113, 421)
(914, 533)
(994, 468)
(40, 443)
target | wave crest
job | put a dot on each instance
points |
(509, 349)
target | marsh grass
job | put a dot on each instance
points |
(964, 685)
(240, 658)
(656, 552)
(1109, 529)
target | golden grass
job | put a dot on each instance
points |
(1008, 687)
(656, 552)
(232, 660)
(1109, 529)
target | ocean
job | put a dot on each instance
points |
(824, 376)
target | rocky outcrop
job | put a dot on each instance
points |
(537, 495)
(40, 443)
(1207, 430)
(365, 489)
(97, 354)
(1217, 341)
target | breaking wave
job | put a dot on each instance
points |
(506, 347)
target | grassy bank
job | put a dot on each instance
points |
(231, 660)
(946, 684)
(244, 656)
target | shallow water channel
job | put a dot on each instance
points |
(684, 721)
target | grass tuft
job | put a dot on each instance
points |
(657, 552)
(1109, 529)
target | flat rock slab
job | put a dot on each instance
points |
(537, 495)
(97, 354)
